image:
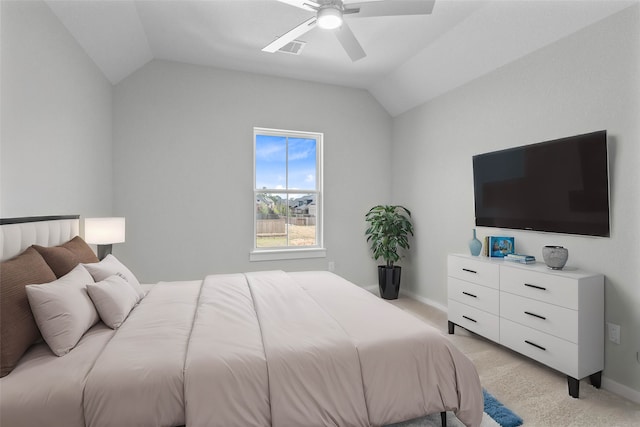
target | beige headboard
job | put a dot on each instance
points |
(17, 234)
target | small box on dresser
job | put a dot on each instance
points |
(553, 316)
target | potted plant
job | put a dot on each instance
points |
(389, 230)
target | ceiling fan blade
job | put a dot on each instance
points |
(290, 36)
(303, 4)
(349, 42)
(392, 7)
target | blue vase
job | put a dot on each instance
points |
(475, 246)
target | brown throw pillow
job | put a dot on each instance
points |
(64, 258)
(18, 329)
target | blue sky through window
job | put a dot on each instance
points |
(271, 162)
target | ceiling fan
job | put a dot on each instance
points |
(329, 14)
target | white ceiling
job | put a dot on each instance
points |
(410, 59)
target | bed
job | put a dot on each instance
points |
(250, 349)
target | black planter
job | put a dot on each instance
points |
(389, 281)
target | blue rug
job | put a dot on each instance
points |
(500, 413)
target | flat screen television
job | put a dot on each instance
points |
(557, 186)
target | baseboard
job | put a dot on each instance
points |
(375, 290)
(621, 389)
(424, 300)
(372, 288)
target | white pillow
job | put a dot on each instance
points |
(63, 309)
(110, 266)
(114, 298)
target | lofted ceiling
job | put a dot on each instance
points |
(410, 59)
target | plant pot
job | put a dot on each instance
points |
(389, 281)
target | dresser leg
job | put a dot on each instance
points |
(596, 379)
(574, 386)
(451, 326)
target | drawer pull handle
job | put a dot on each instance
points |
(469, 318)
(535, 345)
(535, 286)
(535, 315)
(468, 294)
(469, 271)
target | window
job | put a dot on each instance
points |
(287, 194)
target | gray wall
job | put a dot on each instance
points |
(183, 168)
(586, 82)
(55, 143)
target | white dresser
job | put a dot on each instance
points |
(553, 316)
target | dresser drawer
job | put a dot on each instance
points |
(472, 270)
(482, 297)
(558, 321)
(552, 351)
(540, 286)
(478, 321)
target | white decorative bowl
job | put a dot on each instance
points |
(555, 256)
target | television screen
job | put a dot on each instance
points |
(558, 186)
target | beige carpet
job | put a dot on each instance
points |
(536, 393)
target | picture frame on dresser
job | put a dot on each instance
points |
(500, 246)
(553, 316)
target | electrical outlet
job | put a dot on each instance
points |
(332, 266)
(614, 332)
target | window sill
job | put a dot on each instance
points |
(281, 254)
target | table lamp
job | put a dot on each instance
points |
(104, 232)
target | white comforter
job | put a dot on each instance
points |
(255, 349)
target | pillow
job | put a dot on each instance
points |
(18, 329)
(62, 259)
(114, 298)
(63, 309)
(110, 266)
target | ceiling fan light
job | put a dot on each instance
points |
(329, 18)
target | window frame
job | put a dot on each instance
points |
(291, 252)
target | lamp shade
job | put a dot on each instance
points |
(104, 231)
